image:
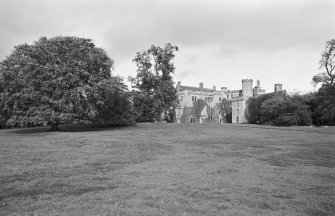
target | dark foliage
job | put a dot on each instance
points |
(61, 80)
(156, 94)
(323, 105)
(225, 110)
(253, 111)
(279, 109)
(327, 64)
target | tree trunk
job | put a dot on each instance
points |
(54, 127)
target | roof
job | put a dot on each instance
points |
(195, 89)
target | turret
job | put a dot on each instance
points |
(278, 87)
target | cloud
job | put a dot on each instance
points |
(185, 74)
(279, 38)
(263, 27)
(126, 27)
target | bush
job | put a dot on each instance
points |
(280, 110)
(323, 106)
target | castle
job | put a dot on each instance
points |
(205, 105)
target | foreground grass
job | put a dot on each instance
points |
(168, 169)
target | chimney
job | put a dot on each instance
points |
(258, 84)
(201, 85)
(223, 89)
(214, 88)
(178, 85)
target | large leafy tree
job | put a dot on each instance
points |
(323, 105)
(3, 111)
(59, 80)
(323, 101)
(156, 93)
(327, 64)
(286, 110)
(279, 109)
(253, 111)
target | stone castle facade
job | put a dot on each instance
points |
(204, 105)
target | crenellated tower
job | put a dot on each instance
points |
(247, 87)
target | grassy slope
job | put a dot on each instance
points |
(168, 169)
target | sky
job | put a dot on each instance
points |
(221, 42)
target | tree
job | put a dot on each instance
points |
(322, 102)
(3, 110)
(285, 110)
(59, 80)
(327, 63)
(225, 109)
(253, 109)
(323, 105)
(154, 81)
(279, 109)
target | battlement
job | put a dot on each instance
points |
(247, 80)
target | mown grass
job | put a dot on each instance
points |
(168, 169)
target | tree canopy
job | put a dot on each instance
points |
(323, 105)
(60, 80)
(154, 81)
(327, 64)
(323, 101)
(279, 109)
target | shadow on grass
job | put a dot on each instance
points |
(308, 157)
(66, 128)
(46, 188)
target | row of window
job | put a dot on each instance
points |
(207, 99)
(231, 96)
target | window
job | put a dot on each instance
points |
(219, 98)
(237, 111)
(227, 97)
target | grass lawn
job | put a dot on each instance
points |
(168, 169)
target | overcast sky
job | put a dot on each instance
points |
(221, 42)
